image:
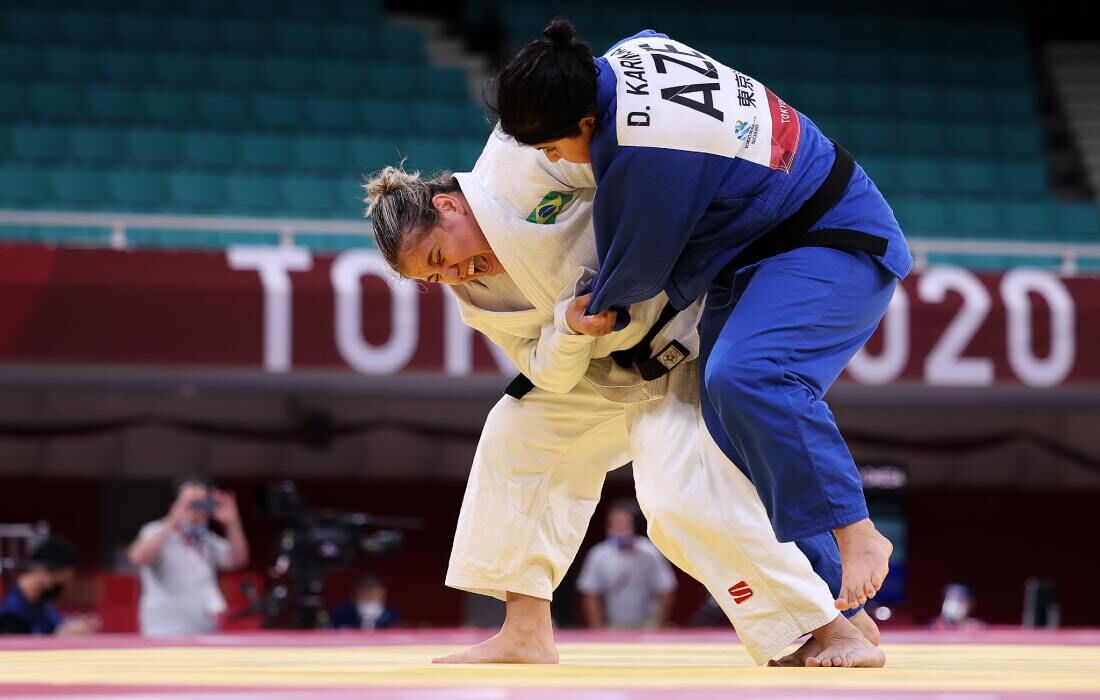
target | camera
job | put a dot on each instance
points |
(313, 543)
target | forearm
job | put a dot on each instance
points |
(238, 545)
(145, 551)
(664, 609)
(593, 610)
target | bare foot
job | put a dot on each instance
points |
(810, 648)
(843, 645)
(507, 647)
(864, 559)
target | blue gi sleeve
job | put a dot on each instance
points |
(648, 203)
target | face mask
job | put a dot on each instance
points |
(371, 611)
(623, 542)
(53, 592)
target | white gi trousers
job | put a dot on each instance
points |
(537, 476)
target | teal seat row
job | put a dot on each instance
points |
(220, 150)
(71, 104)
(124, 68)
(877, 27)
(886, 136)
(946, 176)
(1014, 220)
(203, 240)
(196, 33)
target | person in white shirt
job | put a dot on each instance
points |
(178, 558)
(625, 582)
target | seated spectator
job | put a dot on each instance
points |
(625, 582)
(369, 610)
(28, 608)
(178, 559)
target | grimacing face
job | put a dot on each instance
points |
(574, 149)
(454, 250)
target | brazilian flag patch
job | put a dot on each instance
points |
(548, 209)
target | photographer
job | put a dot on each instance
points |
(178, 559)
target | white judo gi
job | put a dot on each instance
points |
(541, 460)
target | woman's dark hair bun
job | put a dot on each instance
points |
(560, 32)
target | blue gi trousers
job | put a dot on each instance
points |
(771, 347)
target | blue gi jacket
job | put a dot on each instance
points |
(671, 219)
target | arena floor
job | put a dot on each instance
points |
(998, 663)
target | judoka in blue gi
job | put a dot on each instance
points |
(708, 183)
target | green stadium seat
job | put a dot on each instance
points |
(342, 77)
(22, 186)
(289, 74)
(140, 30)
(400, 43)
(315, 196)
(391, 79)
(975, 219)
(970, 140)
(211, 150)
(883, 171)
(386, 115)
(974, 177)
(70, 64)
(918, 101)
(967, 103)
(14, 101)
(278, 112)
(320, 152)
(348, 41)
(234, 72)
(1028, 220)
(370, 154)
(31, 26)
(863, 64)
(192, 34)
(181, 69)
(332, 113)
(82, 188)
(152, 147)
(197, 192)
(447, 83)
(270, 152)
(921, 175)
(125, 66)
(867, 135)
(98, 145)
(56, 101)
(90, 28)
(225, 110)
(246, 35)
(867, 99)
(431, 155)
(139, 190)
(167, 106)
(1024, 179)
(40, 143)
(1024, 141)
(922, 138)
(818, 96)
(112, 104)
(19, 62)
(912, 66)
(921, 217)
(299, 38)
(1076, 222)
(438, 119)
(255, 194)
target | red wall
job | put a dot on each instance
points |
(993, 539)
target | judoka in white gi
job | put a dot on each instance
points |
(514, 241)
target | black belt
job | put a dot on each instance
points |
(789, 234)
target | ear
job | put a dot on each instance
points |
(446, 202)
(588, 123)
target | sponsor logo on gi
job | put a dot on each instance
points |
(740, 592)
(548, 209)
(741, 129)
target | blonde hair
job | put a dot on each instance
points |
(399, 205)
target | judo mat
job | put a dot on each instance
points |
(686, 665)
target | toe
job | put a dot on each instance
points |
(869, 589)
(813, 662)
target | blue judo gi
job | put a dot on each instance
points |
(695, 161)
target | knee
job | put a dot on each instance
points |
(742, 385)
